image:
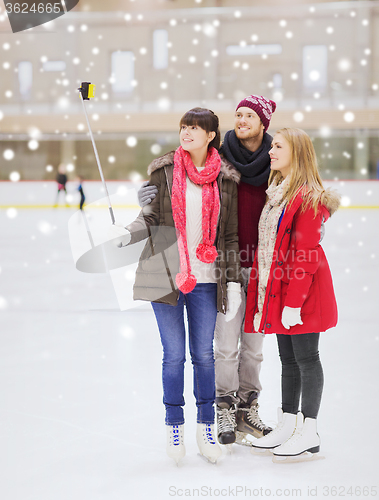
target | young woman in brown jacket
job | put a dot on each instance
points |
(191, 259)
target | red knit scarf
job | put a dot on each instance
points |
(206, 251)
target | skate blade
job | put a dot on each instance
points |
(177, 460)
(261, 452)
(303, 457)
(242, 440)
(208, 460)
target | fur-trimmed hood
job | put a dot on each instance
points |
(331, 199)
(227, 169)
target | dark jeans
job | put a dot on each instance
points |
(301, 373)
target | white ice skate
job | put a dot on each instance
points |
(206, 442)
(175, 442)
(282, 432)
(302, 446)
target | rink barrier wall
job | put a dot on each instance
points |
(356, 194)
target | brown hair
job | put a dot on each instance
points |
(205, 119)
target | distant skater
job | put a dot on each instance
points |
(81, 192)
(61, 179)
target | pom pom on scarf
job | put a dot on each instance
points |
(206, 253)
(185, 282)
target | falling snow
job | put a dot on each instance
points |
(71, 340)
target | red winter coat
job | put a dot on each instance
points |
(299, 275)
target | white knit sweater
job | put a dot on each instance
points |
(204, 273)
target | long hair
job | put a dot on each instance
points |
(304, 169)
(205, 119)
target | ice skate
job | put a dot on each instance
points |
(302, 446)
(283, 431)
(226, 421)
(249, 421)
(206, 442)
(175, 442)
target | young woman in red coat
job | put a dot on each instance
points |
(291, 290)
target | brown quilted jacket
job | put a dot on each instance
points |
(159, 261)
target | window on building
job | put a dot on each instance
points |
(277, 80)
(122, 71)
(315, 66)
(54, 66)
(160, 49)
(254, 50)
(25, 78)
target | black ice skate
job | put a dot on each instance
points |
(226, 420)
(249, 421)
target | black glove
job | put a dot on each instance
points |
(146, 194)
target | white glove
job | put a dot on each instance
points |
(233, 292)
(121, 233)
(291, 317)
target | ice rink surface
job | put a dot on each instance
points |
(81, 413)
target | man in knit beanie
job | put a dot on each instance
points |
(238, 356)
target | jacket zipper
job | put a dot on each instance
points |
(163, 254)
(272, 282)
(168, 185)
(218, 246)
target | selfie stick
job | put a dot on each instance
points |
(87, 91)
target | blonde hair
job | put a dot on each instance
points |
(304, 169)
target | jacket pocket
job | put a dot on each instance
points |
(310, 304)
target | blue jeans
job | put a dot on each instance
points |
(201, 305)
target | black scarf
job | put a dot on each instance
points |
(254, 167)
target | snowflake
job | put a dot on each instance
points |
(11, 213)
(14, 176)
